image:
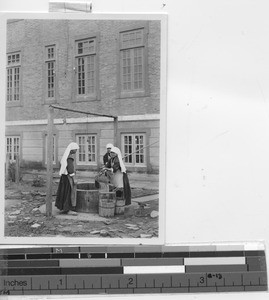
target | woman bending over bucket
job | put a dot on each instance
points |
(119, 178)
(66, 197)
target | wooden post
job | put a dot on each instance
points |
(7, 166)
(49, 163)
(17, 172)
(115, 131)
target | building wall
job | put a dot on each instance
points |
(33, 141)
(30, 38)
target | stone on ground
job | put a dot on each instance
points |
(145, 236)
(154, 214)
(104, 233)
(35, 225)
(130, 209)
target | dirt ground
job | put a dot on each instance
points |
(24, 218)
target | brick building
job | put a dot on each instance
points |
(101, 66)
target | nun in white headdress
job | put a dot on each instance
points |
(106, 157)
(66, 198)
(119, 178)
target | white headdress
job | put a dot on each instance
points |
(71, 146)
(109, 146)
(118, 152)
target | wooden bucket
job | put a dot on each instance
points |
(107, 201)
(119, 207)
(87, 198)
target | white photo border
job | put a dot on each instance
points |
(162, 17)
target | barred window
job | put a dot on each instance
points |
(13, 147)
(132, 68)
(13, 77)
(86, 67)
(87, 153)
(133, 146)
(50, 61)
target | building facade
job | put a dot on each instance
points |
(109, 67)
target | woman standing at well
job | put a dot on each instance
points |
(66, 197)
(119, 178)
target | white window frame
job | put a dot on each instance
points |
(133, 148)
(13, 152)
(13, 75)
(86, 53)
(50, 71)
(84, 149)
(128, 49)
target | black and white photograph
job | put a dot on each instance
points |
(84, 148)
(134, 149)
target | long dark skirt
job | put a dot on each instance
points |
(126, 189)
(63, 200)
(124, 193)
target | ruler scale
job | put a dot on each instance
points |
(130, 269)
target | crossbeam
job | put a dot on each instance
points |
(81, 112)
(50, 147)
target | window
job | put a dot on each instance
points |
(132, 65)
(86, 155)
(53, 149)
(86, 67)
(13, 147)
(50, 62)
(133, 149)
(13, 77)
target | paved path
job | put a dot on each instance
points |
(146, 198)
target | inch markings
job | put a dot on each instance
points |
(164, 282)
(130, 269)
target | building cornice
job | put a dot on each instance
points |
(147, 117)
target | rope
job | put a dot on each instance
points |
(139, 150)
